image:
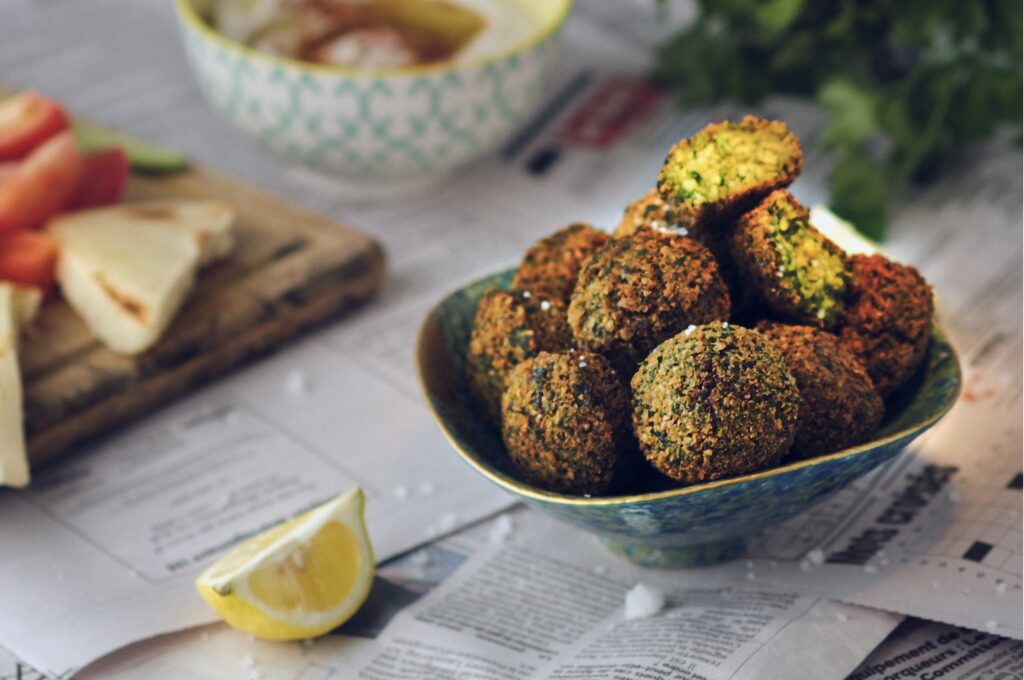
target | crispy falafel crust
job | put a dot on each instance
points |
(840, 406)
(794, 268)
(888, 319)
(650, 211)
(637, 291)
(510, 327)
(564, 421)
(714, 402)
(551, 266)
(723, 170)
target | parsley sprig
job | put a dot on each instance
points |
(907, 84)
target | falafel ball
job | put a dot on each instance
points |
(650, 211)
(839, 405)
(511, 326)
(551, 265)
(637, 291)
(723, 170)
(794, 268)
(714, 401)
(565, 421)
(888, 319)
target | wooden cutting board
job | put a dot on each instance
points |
(290, 270)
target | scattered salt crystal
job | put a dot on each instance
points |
(527, 294)
(420, 558)
(1001, 587)
(991, 625)
(751, 576)
(805, 565)
(426, 488)
(840, 616)
(870, 569)
(296, 383)
(682, 231)
(689, 329)
(248, 661)
(401, 491)
(501, 529)
(601, 569)
(816, 557)
(545, 305)
(448, 521)
(582, 364)
(725, 325)
(643, 601)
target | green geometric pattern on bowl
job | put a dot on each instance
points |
(680, 527)
(392, 126)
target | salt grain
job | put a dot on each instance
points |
(751, 576)
(545, 305)
(840, 616)
(401, 492)
(870, 569)
(991, 626)
(1001, 587)
(296, 383)
(501, 529)
(642, 602)
(816, 557)
(689, 329)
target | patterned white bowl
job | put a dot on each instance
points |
(382, 130)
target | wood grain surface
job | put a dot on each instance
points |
(290, 270)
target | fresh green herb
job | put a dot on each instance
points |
(907, 85)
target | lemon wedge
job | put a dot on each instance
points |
(299, 579)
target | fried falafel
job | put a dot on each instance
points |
(794, 268)
(839, 405)
(551, 265)
(510, 327)
(637, 291)
(714, 401)
(726, 168)
(565, 421)
(650, 211)
(888, 319)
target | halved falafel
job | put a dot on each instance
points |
(714, 401)
(839, 405)
(723, 170)
(510, 327)
(551, 265)
(794, 268)
(565, 421)
(637, 291)
(888, 319)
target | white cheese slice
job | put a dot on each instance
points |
(13, 458)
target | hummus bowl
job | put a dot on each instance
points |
(687, 526)
(379, 131)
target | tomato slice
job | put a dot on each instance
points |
(28, 258)
(104, 179)
(27, 120)
(42, 184)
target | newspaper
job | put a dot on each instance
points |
(931, 651)
(95, 588)
(500, 603)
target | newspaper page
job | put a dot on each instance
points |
(929, 651)
(499, 602)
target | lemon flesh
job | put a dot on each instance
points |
(299, 579)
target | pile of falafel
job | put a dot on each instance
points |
(715, 333)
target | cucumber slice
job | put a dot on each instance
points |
(143, 156)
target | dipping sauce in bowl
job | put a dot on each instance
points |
(373, 33)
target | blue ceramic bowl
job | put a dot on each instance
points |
(682, 527)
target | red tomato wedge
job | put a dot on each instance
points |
(42, 184)
(28, 258)
(27, 120)
(104, 179)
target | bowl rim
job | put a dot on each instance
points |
(552, 498)
(189, 17)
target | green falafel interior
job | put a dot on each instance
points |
(679, 411)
